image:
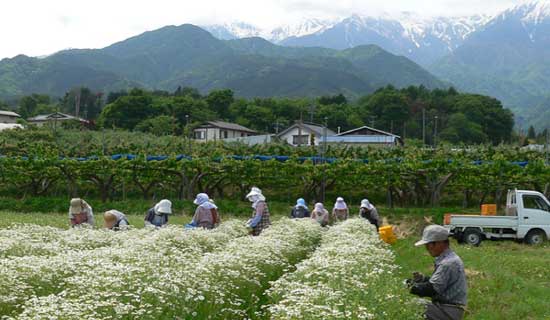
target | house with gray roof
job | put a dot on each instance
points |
(8, 116)
(219, 130)
(304, 134)
(365, 136)
(56, 117)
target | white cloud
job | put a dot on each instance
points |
(37, 27)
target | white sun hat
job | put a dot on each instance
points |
(164, 206)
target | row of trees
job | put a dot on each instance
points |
(405, 182)
(413, 112)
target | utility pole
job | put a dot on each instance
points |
(435, 132)
(391, 126)
(311, 111)
(323, 155)
(77, 102)
(372, 121)
(547, 144)
(300, 130)
(188, 133)
(423, 127)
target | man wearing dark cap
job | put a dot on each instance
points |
(447, 285)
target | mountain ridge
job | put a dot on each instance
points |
(187, 55)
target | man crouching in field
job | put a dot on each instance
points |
(447, 285)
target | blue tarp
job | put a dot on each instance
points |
(314, 159)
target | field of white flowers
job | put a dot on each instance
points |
(293, 270)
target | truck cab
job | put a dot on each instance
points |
(527, 218)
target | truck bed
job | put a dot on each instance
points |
(484, 221)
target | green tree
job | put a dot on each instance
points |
(219, 101)
(28, 104)
(461, 130)
(160, 126)
(531, 134)
(87, 102)
(127, 111)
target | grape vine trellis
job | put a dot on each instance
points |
(405, 181)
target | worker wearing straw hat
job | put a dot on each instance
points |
(115, 220)
(80, 213)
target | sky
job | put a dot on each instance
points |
(41, 27)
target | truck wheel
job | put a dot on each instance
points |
(535, 237)
(459, 236)
(472, 237)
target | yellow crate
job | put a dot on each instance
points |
(387, 235)
(488, 209)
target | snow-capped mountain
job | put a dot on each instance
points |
(234, 30)
(421, 39)
(534, 17)
(507, 58)
(303, 28)
(237, 30)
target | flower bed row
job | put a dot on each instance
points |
(350, 276)
(79, 269)
(174, 281)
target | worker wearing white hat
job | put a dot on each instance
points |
(158, 215)
(447, 285)
(260, 216)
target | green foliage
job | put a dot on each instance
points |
(88, 102)
(396, 176)
(159, 126)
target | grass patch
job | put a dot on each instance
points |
(506, 280)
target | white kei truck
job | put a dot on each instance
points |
(527, 218)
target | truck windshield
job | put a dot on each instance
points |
(535, 202)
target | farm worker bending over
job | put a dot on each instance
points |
(80, 213)
(320, 214)
(115, 220)
(340, 212)
(447, 285)
(158, 215)
(260, 216)
(206, 214)
(300, 210)
(369, 212)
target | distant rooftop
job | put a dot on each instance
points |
(9, 114)
(53, 116)
(226, 125)
(315, 128)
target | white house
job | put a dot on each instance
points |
(218, 130)
(56, 117)
(365, 136)
(304, 134)
(6, 126)
(8, 117)
(252, 140)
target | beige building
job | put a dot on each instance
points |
(304, 134)
(219, 130)
(8, 117)
(365, 136)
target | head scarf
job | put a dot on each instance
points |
(202, 200)
(319, 207)
(340, 204)
(255, 196)
(366, 204)
(301, 203)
